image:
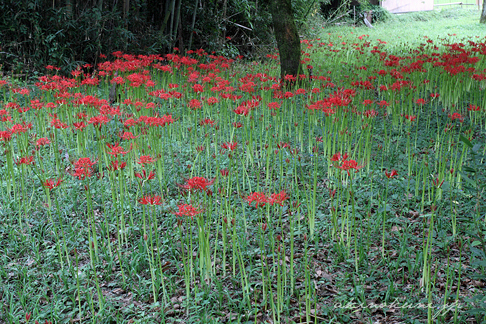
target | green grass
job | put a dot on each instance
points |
(407, 30)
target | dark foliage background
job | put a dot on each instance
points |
(69, 33)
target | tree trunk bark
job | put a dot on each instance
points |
(483, 13)
(287, 37)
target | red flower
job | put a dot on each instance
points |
(187, 210)
(197, 183)
(127, 136)
(115, 165)
(42, 141)
(278, 198)
(194, 104)
(83, 168)
(258, 197)
(337, 157)
(144, 177)
(473, 108)
(79, 126)
(150, 200)
(348, 165)
(457, 116)
(99, 120)
(116, 149)
(5, 136)
(367, 102)
(274, 105)
(224, 172)
(437, 183)
(52, 183)
(391, 174)
(27, 160)
(420, 101)
(229, 145)
(146, 159)
(410, 118)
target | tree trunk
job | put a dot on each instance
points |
(126, 8)
(483, 13)
(287, 37)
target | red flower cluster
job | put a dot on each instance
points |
(261, 199)
(150, 200)
(187, 210)
(342, 162)
(52, 183)
(197, 184)
(83, 168)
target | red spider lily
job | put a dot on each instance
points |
(383, 103)
(437, 183)
(187, 210)
(42, 141)
(5, 136)
(274, 105)
(27, 160)
(278, 198)
(258, 197)
(473, 108)
(79, 126)
(115, 165)
(337, 157)
(457, 116)
(194, 104)
(83, 168)
(212, 100)
(391, 174)
(207, 121)
(150, 200)
(116, 149)
(410, 118)
(224, 172)
(99, 120)
(197, 184)
(348, 165)
(20, 128)
(143, 176)
(332, 193)
(420, 101)
(52, 183)
(370, 113)
(146, 159)
(242, 110)
(127, 136)
(56, 123)
(197, 88)
(229, 145)
(367, 102)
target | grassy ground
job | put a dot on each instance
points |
(207, 194)
(408, 30)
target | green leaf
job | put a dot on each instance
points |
(465, 177)
(475, 243)
(465, 140)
